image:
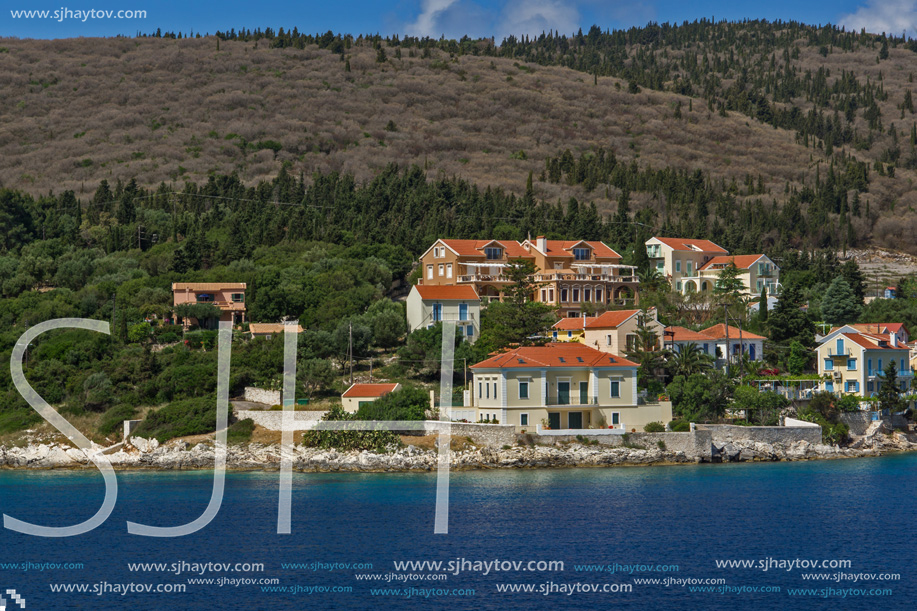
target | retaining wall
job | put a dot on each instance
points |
(273, 420)
(260, 395)
(858, 422)
(695, 444)
(729, 433)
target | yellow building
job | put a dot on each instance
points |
(562, 386)
(853, 362)
(614, 331)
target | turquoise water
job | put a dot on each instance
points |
(858, 510)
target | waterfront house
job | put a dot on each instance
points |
(229, 297)
(853, 362)
(563, 386)
(362, 394)
(430, 304)
(732, 341)
(573, 276)
(695, 266)
(677, 338)
(615, 331)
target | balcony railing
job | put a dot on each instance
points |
(572, 276)
(574, 400)
(483, 278)
(833, 352)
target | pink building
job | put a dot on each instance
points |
(228, 296)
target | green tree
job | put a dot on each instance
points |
(839, 306)
(700, 397)
(762, 306)
(518, 319)
(851, 273)
(206, 314)
(408, 403)
(688, 360)
(728, 285)
(788, 321)
(315, 375)
(646, 353)
(798, 359)
(889, 394)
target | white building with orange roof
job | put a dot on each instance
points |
(695, 265)
(853, 362)
(361, 394)
(732, 342)
(677, 338)
(563, 386)
(430, 304)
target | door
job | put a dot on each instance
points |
(554, 420)
(584, 393)
(751, 352)
(563, 393)
(575, 420)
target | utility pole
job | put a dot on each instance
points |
(726, 318)
(370, 370)
(350, 349)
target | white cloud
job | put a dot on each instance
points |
(427, 22)
(889, 16)
(532, 17)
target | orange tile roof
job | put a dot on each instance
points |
(445, 292)
(369, 390)
(475, 248)
(607, 320)
(740, 261)
(685, 335)
(553, 355)
(571, 324)
(686, 244)
(875, 327)
(564, 248)
(208, 286)
(719, 332)
(871, 341)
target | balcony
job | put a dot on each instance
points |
(573, 276)
(832, 352)
(573, 400)
(466, 278)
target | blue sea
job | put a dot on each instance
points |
(610, 529)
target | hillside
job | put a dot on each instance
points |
(725, 99)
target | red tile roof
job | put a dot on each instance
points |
(740, 261)
(685, 335)
(876, 327)
(475, 248)
(871, 341)
(369, 390)
(464, 292)
(571, 324)
(553, 355)
(686, 244)
(564, 248)
(719, 332)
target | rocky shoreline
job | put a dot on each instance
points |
(179, 455)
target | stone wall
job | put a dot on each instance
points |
(489, 435)
(728, 433)
(259, 395)
(696, 445)
(272, 420)
(858, 422)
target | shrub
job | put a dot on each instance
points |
(241, 431)
(113, 419)
(661, 445)
(405, 404)
(654, 427)
(377, 441)
(167, 338)
(680, 426)
(188, 417)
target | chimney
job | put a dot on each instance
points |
(541, 243)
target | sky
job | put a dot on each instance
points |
(451, 18)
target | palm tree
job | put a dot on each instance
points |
(689, 359)
(650, 279)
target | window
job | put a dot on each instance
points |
(575, 295)
(631, 341)
(569, 333)
(869, 386)
(760, 285)
(439, 252)
(463, 311)
(480, 390)
(441, 268)
(660, 266)
(901, 367)
(678, 266)
(853, 386)
(851, 364)
(587, 294)
(524, 419)
(238, 297)
(678, 285)
(430, 271)
(608, 339)
(550, 295)
(523, 390)
(469, 330)
(706, 348)
(689, 266)
(563, 295)
(829, 386)
(615, 389)
(880, 370)
(544, 295)
(581, 254)
(598, 295)
(495, 390)
(204, 297)
(829, 364)
(437, 312)
(615, 418)
(555, 335)
(869, 368)
(488, 390)
(448, 270)
(492, 252)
